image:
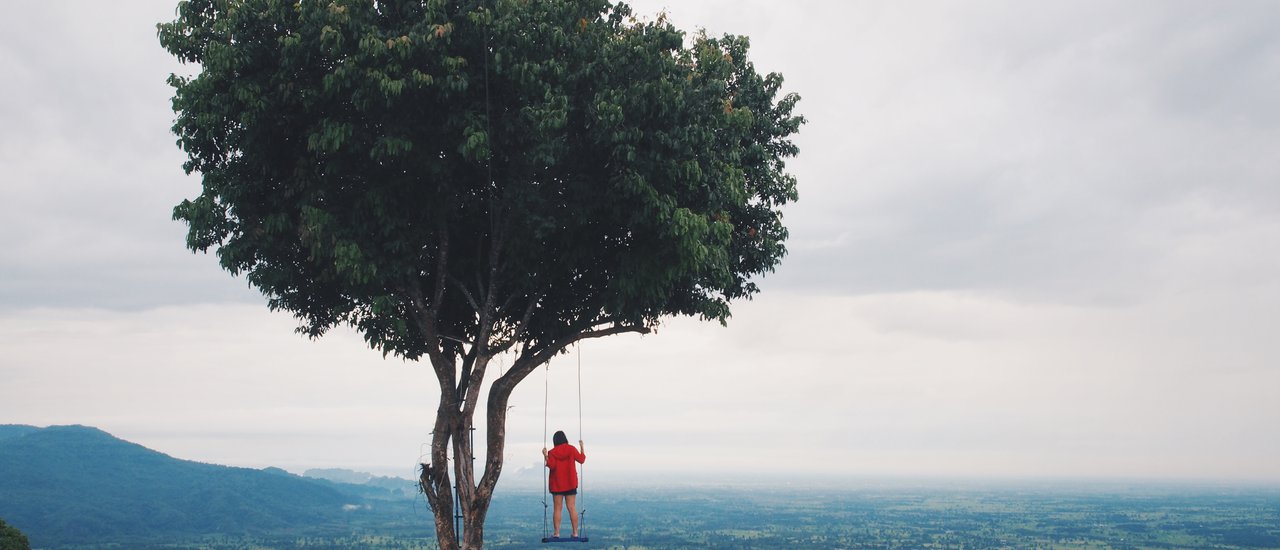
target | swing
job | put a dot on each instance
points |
(565, 539)
(582, 492)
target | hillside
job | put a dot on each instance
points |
(69, 484)
(15, 430)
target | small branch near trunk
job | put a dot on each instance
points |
(521, 326)
(442, 268)
(462, 287)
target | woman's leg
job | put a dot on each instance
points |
(558, 501)
(572, 502)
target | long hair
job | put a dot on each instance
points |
(559, 438)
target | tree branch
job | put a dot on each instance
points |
(457, 283)
(424, 316)
(521, 327)
(442, 269)
(530, 359)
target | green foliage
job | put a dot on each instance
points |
(553, 166)
(12, 539)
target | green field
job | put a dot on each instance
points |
(1050, 517)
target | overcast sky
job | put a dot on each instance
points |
(1034, 239)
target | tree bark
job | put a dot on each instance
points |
(454, 422)
(438, 486)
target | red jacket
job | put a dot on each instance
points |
(564, 476)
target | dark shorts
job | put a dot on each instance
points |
(570, 492)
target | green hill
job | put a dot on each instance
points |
(15, 430)
(75, 484)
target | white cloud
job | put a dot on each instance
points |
(916, 383)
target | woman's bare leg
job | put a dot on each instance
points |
(572, 502)
(557, 502)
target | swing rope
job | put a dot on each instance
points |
(546, 472)
(582, 468)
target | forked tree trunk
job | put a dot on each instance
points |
(453, 435)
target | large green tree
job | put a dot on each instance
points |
(461, 179)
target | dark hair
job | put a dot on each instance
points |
(559, 438)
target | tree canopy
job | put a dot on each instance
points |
(617, 175)
(456, 179)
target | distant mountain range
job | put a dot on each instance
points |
(77, 485)
(364, 483)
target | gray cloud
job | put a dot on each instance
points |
(1048, 151)
(90, 170)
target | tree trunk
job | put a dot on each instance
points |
(436, 482)
(453, 431)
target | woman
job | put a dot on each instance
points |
(563, 479)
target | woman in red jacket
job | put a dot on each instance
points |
(563, 479)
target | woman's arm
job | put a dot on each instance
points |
(582, 453)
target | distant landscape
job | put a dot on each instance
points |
(73, 487)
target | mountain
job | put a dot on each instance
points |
(365, 484)
(76, 484)
(339, 475)
(15, 430)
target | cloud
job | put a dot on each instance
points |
(1032, 240)
(220, 383)
(1037, 151)
(922, 383)
(91, 172)
(1046, 152)
(942, 382)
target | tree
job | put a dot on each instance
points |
(461, 179)
(11, 538)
